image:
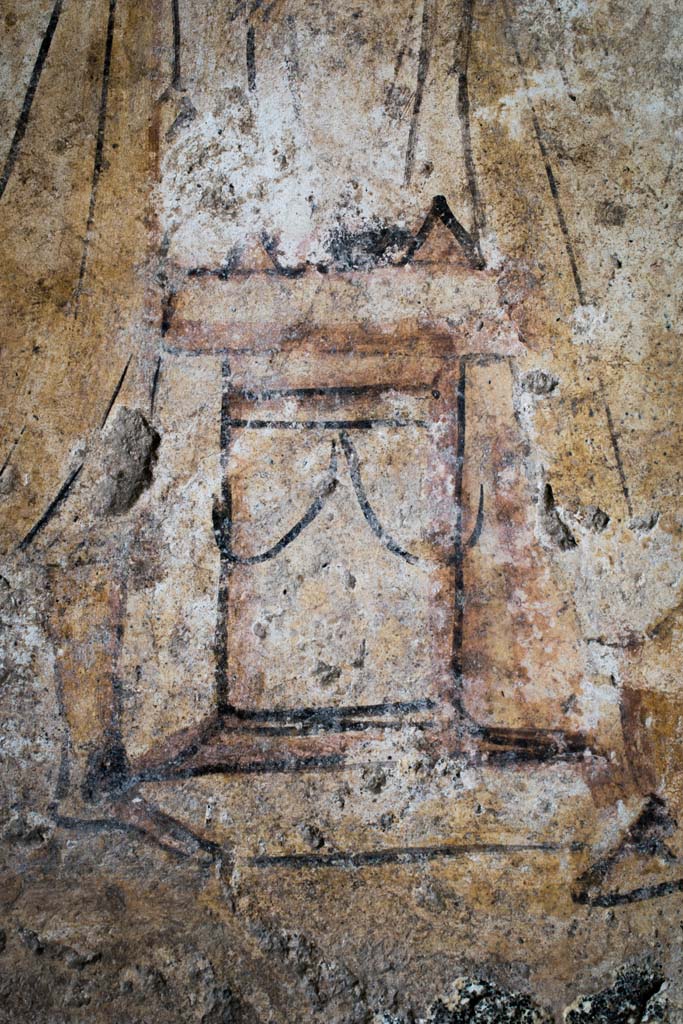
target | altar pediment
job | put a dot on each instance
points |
(378, 290)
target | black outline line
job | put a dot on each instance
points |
(458, 547)
(322, 726)
(175, 15)
(338, 391)
(251, 59)
(440, 210)
(360, 424)
(330, 713)
(644, 892)
(422, 71)
(29, 96)
(399, 855)
(479, 523)
(461, 68)
(99, 150)
(226, 566)
(117, 389)
(52, 508)
(370, 516)
(155, 385)
(222, 529)
(174, 770)
(617, 453)
(552, 182)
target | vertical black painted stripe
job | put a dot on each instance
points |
(422, 69)
(99, 150)
(22, 120)
(175, 11)
(221, 635)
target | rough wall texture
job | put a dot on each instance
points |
(341, 584)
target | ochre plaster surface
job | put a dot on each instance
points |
(341, 524)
